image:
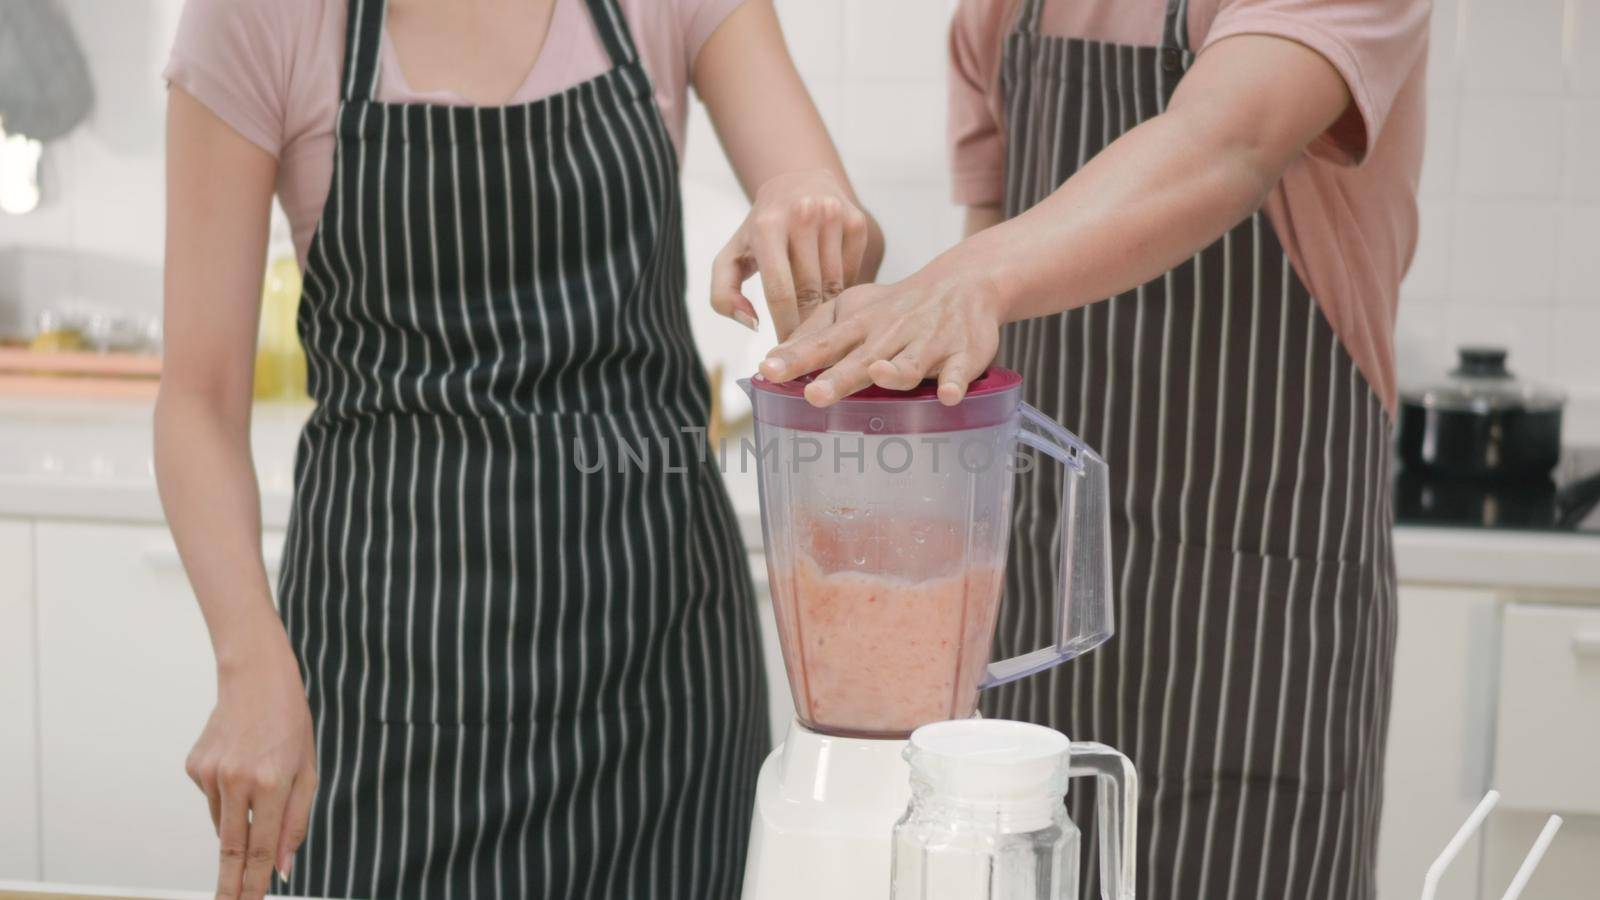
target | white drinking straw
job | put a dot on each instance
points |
(1531, 862)
(1430, 883)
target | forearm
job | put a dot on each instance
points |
(208, 490)
(764, 116)
(1241, 115)
(1144, 204)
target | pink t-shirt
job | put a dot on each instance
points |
(270, 69)
(1346, 211)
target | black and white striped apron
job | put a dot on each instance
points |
(1249, 676)
(527, 680)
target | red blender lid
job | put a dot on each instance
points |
(991, 399)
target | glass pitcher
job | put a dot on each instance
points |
(886, 518)
(988, 818)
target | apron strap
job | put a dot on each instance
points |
(1028, 16)
(612, 28)
(1175, 32)
(363, 34)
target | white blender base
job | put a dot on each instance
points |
(824, 818)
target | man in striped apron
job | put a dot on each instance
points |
(527, 680)
(1249, 677)
(1138, 279)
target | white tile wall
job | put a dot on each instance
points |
(1510, 198)
(1511, 146)
(1582, 176)
(877, 73)
(1512, 46)
(1583, 46)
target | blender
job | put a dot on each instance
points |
(886, 519)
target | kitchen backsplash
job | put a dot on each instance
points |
(1510, 247)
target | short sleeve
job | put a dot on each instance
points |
(1373, 44)
(975, 133)
(235, 57)
(697, 19)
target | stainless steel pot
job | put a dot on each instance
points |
(1481, 422)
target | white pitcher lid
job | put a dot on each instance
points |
(991, 760)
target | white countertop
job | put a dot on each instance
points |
(81, 459)
(30, 889)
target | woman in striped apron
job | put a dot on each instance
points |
(513, 585)
(1249, 675)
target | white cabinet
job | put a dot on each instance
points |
(1441, 726)
(19, 796)
(126, 680)
(1547, 747)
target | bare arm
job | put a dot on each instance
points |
(807, 234)
(1243, 113)
(253, 759)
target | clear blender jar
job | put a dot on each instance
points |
(886, 518)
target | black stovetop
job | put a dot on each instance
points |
(1566, 501)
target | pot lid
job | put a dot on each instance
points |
(1481, 382)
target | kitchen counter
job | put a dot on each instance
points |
(82, 459)
(76, 458)
(31, 890)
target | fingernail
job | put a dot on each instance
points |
(772, 367)
(745, 319)
(819, 393)
(284, 865)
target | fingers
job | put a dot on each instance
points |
(819, 341)
(771, 245)
(957, 372)
(267, 799)
(234, 836)
(728, 273)
(906, 370)
(204, 777)
(849, 374)
(854, 246)
(296, 818)
(805, 258)
(830, 249)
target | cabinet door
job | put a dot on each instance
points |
(126, 680)
(19, 824)
(1440, 730)
(1546, 754)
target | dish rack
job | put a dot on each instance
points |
(1430, 882)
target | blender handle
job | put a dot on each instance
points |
(1116, 815)
(1085, 574)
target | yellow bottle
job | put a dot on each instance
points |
(280, 361)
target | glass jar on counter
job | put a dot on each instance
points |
(988, 818)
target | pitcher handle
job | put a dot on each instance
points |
(1116, 815)
(1083, 617)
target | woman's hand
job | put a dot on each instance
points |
(806, 237)
(943, 321)
(256, 763)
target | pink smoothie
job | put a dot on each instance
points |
(878, 655)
